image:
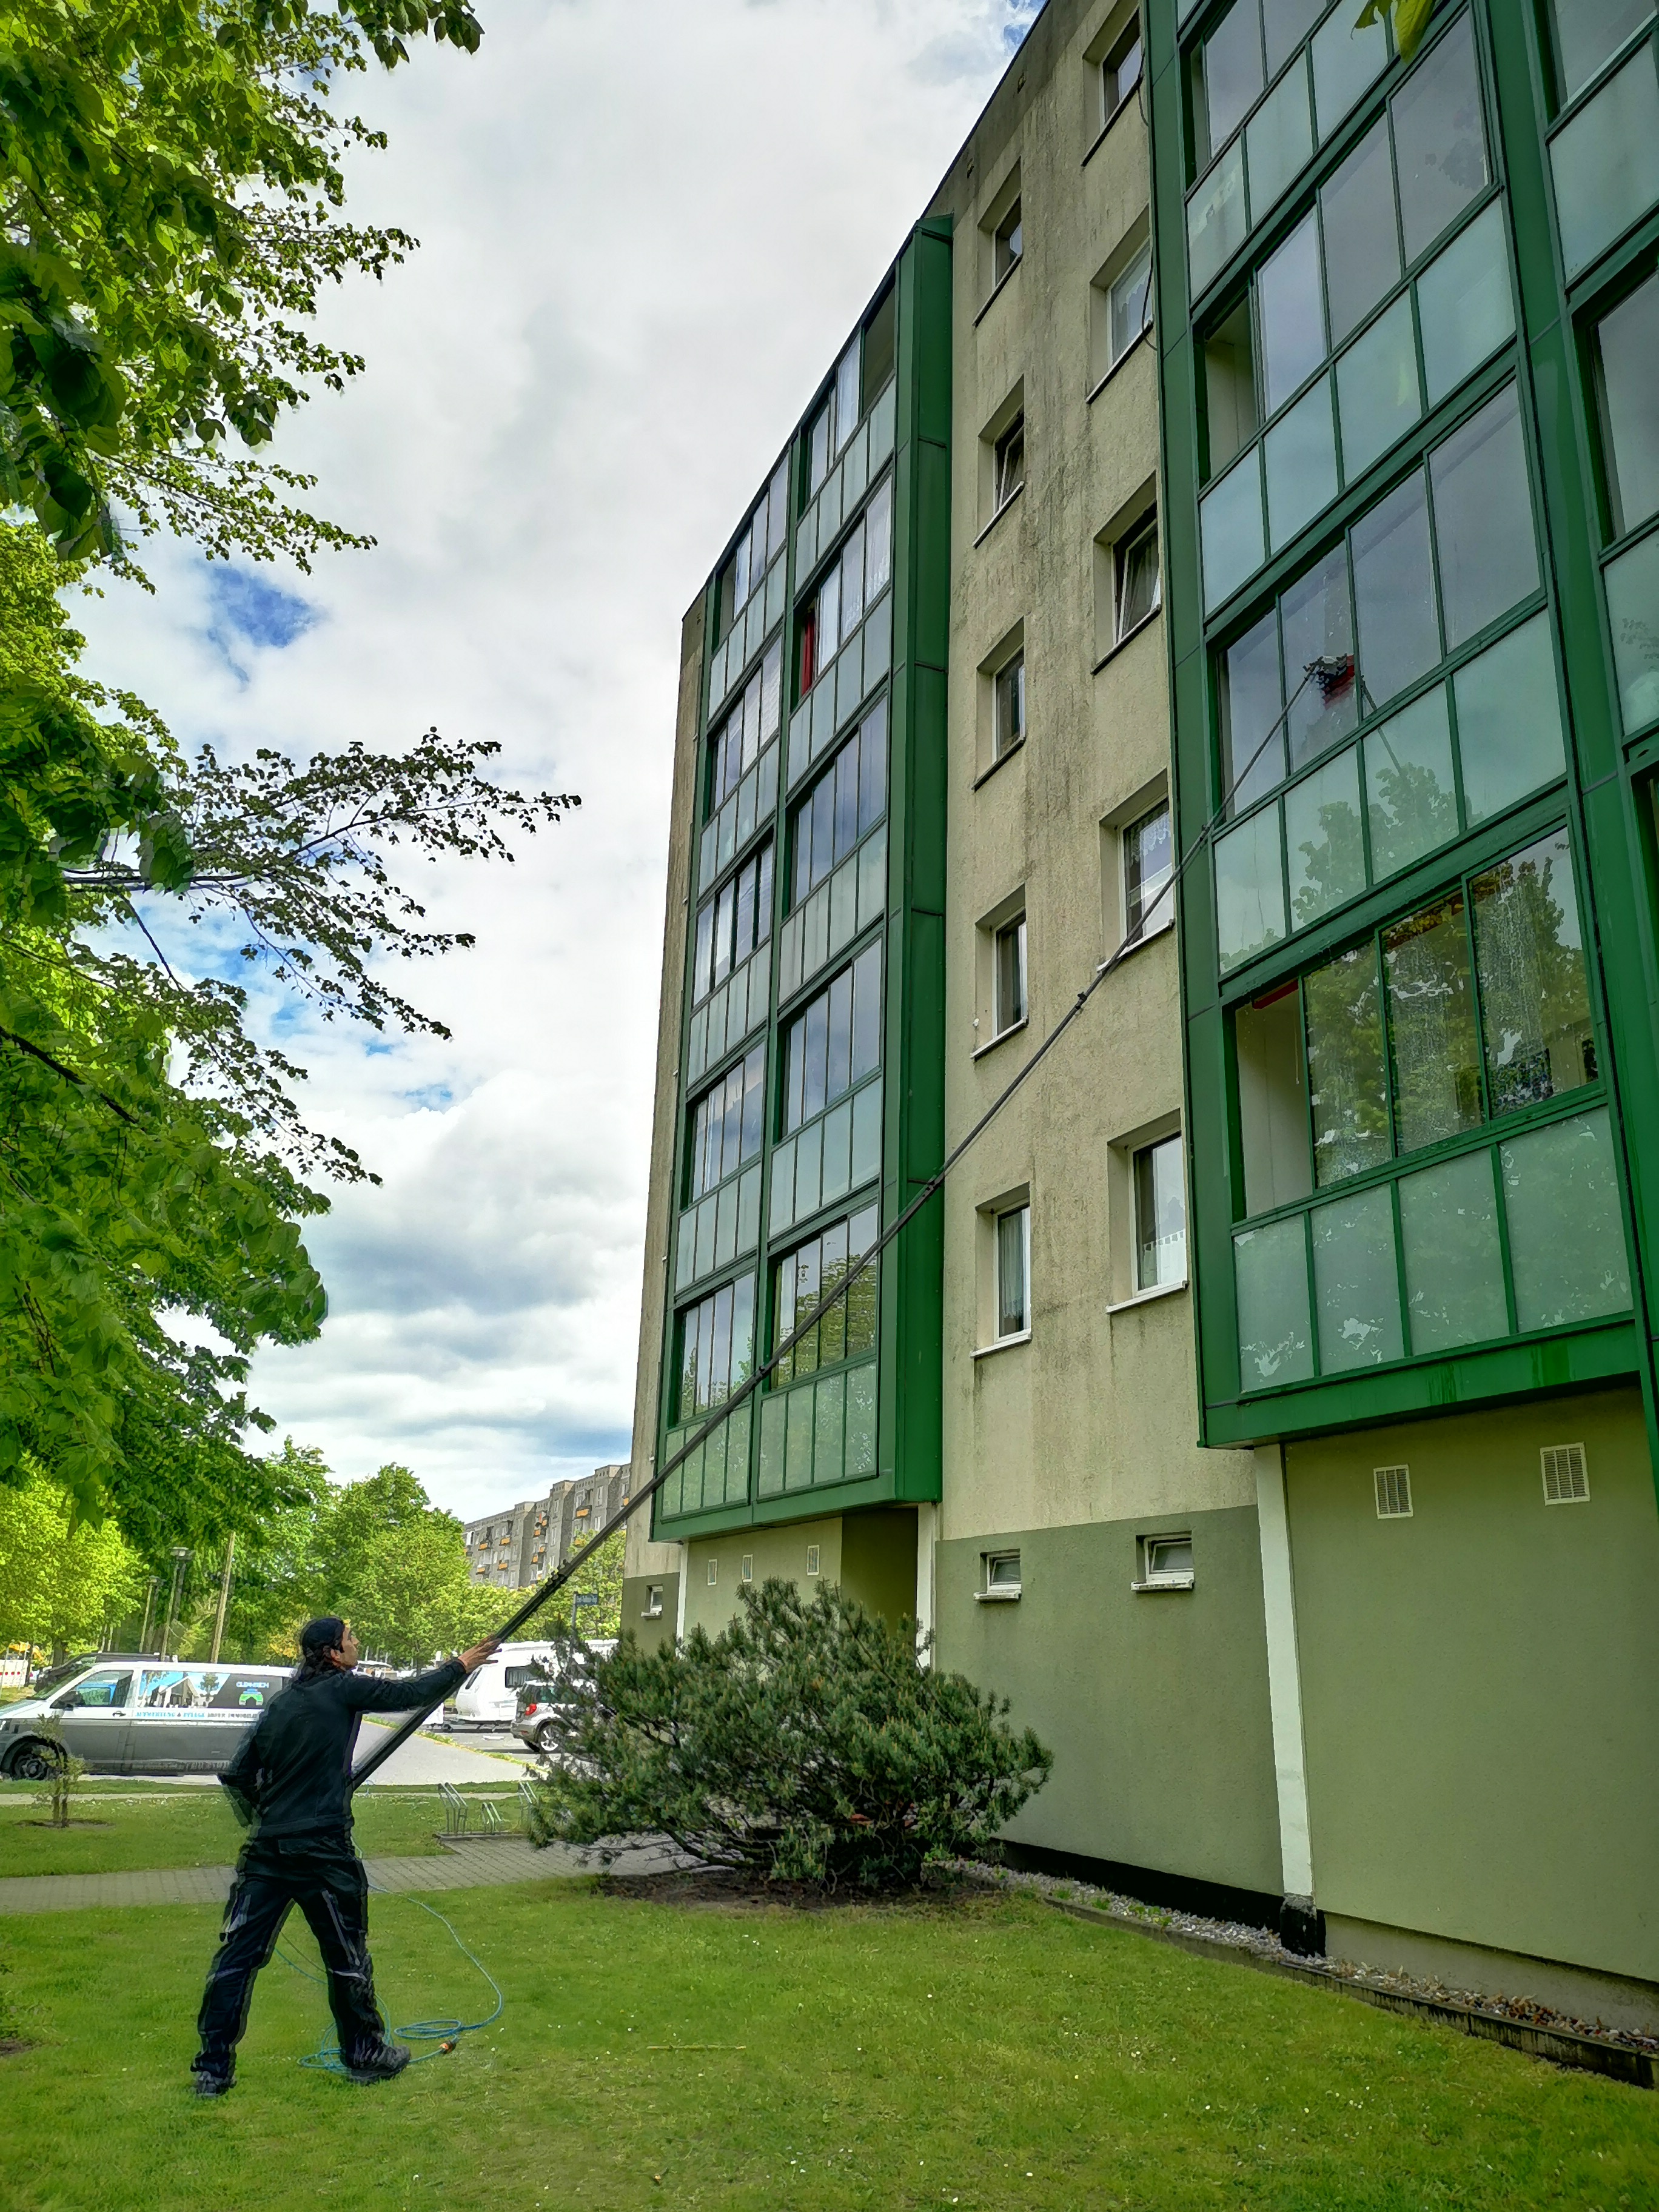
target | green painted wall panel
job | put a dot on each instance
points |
(1154, 1706)
(1481, 1682)
(650, 1631)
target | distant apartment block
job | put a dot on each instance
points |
(523, 1544)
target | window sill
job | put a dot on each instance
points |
(652, 1612)
(1148, 1297)
(1001, 1037)
(1002, 1344)
(1128, 354)
(1000, 512)
(996, 1597)
(1002, 758)
(1162, 1583)
(996, 290)
(1127, 638)
(1104, 132)
(1131, 945)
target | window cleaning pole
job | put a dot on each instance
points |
(1322, 669)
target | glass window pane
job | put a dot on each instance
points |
(1287, 23)
(847, 395)
(1317, 623)
(1323, 847)
(1232, 70)
(1272, 1101)
(1508, 721)
(1148, 864)
(1160, 1216)
(1292, 321)
(1301, 464)
(1138, 592)
(1483, 519)
(1394, 589)
(1454, 1262)
(1131, 303)
(1278, 141)
(878, 526)
(1589, 33)
(1606, 162)
(1346, 1094)
(1633, 582)
(1230, 527)
(1362, 248)
(1566, 1236)
(1376, 391)
(1465, 306)
(1249, 892)
(1628, 343)
(866, 1011)
(1357, 1283)
(1215, 219)
(1535, 1002)
(1439, 139)
(1411, 799)
(1345, 59)
(1251, 704)
(1270, 1274)
(1013, 1312)
(1433, 1056)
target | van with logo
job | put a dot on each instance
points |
(144, 1716)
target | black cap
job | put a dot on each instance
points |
(325, 1633)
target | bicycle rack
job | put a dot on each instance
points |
(455, 1810)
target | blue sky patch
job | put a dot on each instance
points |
(260, 612)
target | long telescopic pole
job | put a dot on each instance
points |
(224, 1600)
(1329, 671)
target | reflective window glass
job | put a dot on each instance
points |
(1292, 319)
(1229, 74)
(1249, 889)
(1229, 529)
(1347, 55)
(1590, 31)
(1483, 519)
(1606, 162)
(1130, 303)
(1508, 721)
(1440, 138)
(1299, 455)
(834, 1041)
(1273, 1101)
(1148, 864)
(1535, 999)
(1627, 346)
(1229, 414)
(1356, 1282)
(1362, 248)
(1251, 704)
(1394, 593)
(1566, 1233)
(1411, 799)
(716, 1348)
(1632, 584)
(1278, 141)
(725, 1125)
(1376, 390)
(1464, 305)
(1433, 1054)
(803, 1279)
(1453, 1259)
(1287, 22)
(1009, 707)
(1008, 981)
(1346, 1093)
(1324, 849)
(1013, 1272)
(849, 799)
(1319, 666)
(1160, 1216)
(1270, 1274)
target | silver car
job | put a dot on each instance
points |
(151, 1717)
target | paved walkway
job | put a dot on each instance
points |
(475, 1863)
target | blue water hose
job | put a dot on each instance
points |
(445, 2033)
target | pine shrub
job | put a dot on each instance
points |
(807, 1742)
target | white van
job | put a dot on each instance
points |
(489, 1696)
(151, 1716)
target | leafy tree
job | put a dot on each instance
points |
(807, 1742)
(277, 1568)
(599, 1575)
(59, 1582)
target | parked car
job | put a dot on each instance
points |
(146, 1716)
(488, 1697)
(545, 1698)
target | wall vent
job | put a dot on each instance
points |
(713, 1572)
(811, 1558)
(1567, 1479)
(1394, 1492)
(749, 1566)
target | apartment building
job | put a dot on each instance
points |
(523, 1545)
(1316, 1531)
(1407, 312)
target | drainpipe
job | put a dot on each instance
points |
(1301, 1922)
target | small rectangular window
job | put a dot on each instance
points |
(1148, 864)
(1566, 1478)
(1009, 984)
(1010, 471)
(813, 1558)
(1130, 304)
(1140, 592)
(1013, 1272)
(1001, 1576)
(714, 1572)
(1394, 1492)
(749, 1566)
(1120, 73)
(1166, 1563)
(1009, 725)
(1160, 1200)
(1007, 243)
(653, 1608)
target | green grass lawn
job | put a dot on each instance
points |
(189, 1827)
(987, 2054)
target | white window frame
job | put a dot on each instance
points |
(1003, 491)
(991, 1591)
(1007, 242)
(1140, 265)
(1003, 1023)
(1113, 101)
(1145, 526)
(1023, 1213)
(1002, 744)
(1164, 912)
(1153, 1577)
(1175, 1283)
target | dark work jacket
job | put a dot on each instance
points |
(292, 1774)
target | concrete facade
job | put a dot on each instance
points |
(523, 1545)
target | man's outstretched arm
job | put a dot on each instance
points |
(407, 1694)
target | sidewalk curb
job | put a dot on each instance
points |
(1639, 2069)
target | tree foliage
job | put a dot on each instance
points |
(806, 1742)
(59, 1584)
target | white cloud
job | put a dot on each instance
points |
(644, 232)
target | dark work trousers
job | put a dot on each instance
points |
(325, 1877)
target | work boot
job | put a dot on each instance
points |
(380, 2063)
(212, 2080)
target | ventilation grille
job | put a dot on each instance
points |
(1393, 1493)
(811, 1558)
(1567, 1479)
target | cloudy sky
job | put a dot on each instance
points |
(646, 228)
